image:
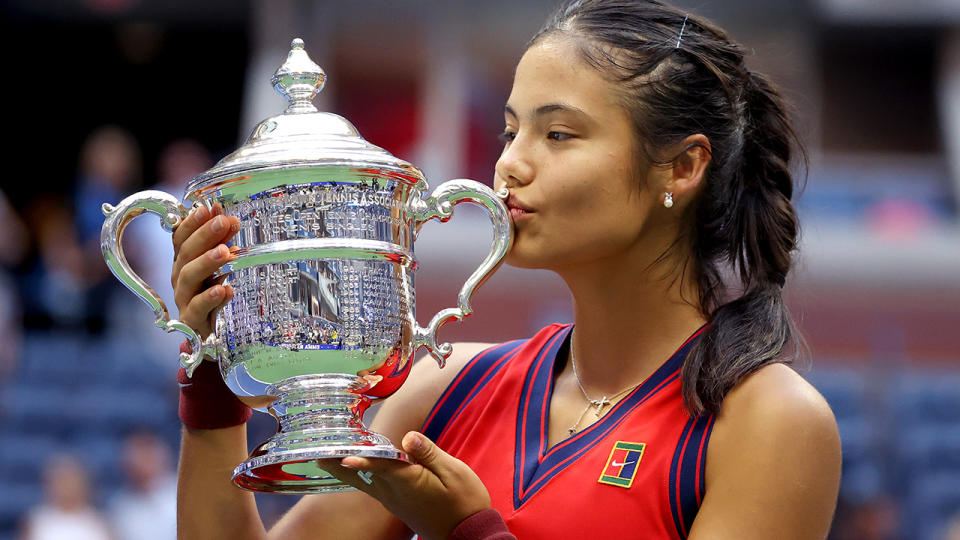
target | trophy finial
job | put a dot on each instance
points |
(299, 79)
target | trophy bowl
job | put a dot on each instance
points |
(322, 320)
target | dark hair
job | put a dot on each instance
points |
(744, 225)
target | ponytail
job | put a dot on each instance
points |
(760, 232)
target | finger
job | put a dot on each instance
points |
(197, 217)
(382, 467)
(390, 474)
(230, 292)
(200, 306)
(211, 319)
(191, 279)
(423, 451)
(346, 475)
(216, 230)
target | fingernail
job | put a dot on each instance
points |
(217, 225)
(235, 227)
(216, 291)
(215, 254)
(415, 443)
(200, 212)
(348, 466)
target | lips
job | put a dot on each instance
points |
(518, 210)
(514, 204)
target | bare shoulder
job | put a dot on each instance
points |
(773, 463)
(775, 394)
(771, 409)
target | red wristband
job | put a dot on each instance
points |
(484, 525)
(205, 400)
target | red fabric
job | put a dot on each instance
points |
(205, 400)
(626, 476)
(484, 525)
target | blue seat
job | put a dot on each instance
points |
(928, 397)
(125, 407)
(28, 402)
(22, 455)
(55, 357)
(844, 390)
(16, 499)
(930, 448)
(933, 499)
(857, 437)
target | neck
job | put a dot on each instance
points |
(629, 323)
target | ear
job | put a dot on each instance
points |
(688, 168)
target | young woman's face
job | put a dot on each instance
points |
(570, 160)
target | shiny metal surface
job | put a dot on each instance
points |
(440, 206)
(323, 316)
(171, 213)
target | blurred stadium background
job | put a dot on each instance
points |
(108, 97)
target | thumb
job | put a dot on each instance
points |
(425, 452)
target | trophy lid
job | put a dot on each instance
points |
(302, 136)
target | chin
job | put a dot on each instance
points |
(518, 258)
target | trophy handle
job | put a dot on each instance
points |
(440, 206)
(171, 213)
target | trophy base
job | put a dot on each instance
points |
(320, 418)
(297, 472)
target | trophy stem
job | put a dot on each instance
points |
(320, 417)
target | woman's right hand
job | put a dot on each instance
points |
(199, 249)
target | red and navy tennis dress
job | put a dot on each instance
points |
(636, 473)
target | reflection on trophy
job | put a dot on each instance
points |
(322, 319)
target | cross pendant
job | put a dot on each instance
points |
(600, 404)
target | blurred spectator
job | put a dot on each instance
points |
(14, 239)
(952, 531)
(146, 508)
(900, 218)
(55, 291)
(13, 234)
(874, 518)
(67, 511)
(109, 170)
(68, 285)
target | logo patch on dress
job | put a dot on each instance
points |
(622, 464)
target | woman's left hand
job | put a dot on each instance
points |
(431, 495)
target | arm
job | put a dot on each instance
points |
(209, 506)
(773, 463)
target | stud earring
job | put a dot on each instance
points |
(668, 200)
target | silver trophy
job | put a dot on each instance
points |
(322, 320)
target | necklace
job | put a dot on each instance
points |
(598, 403)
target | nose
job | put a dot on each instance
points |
(515, 167)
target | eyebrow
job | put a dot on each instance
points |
(547, 109)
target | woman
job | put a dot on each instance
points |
(648, 167)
